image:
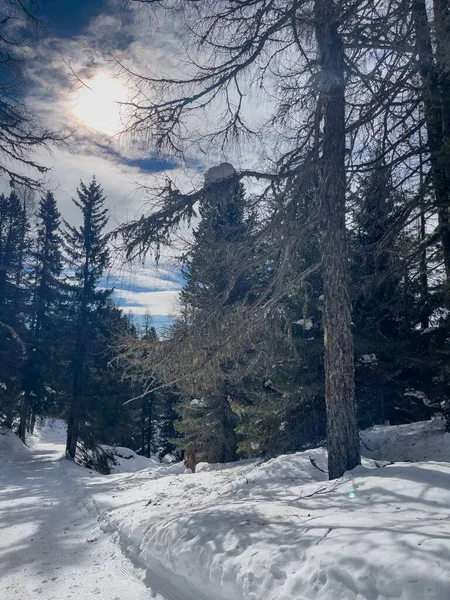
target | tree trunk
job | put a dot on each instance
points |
(76, 408)
(32, 422)
(22, 428)
(436, 99)
(423, 263)
(73, 423)
(9, 418)
(24, 413)
(442, 32)
(72, 437)
(342, 427)
(149, 427)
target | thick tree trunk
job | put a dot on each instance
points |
(72, 437)
(9, 418)
(73, 423)
(423, 263)
(76, 408)
(442, 32)
(24, 414)
(32, 423)
(342, 427)
(149, 427)
(436, 99)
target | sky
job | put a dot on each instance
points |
(75, 83)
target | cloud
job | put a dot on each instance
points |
(162, 303)
(151, 278)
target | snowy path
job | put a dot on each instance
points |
(50, 545)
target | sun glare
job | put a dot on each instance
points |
(98, 104)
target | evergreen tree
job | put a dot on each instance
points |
(48, 265)
(105, 419)
(214, 279)
(87, 250)
(386, 301)
(40, 372)
(284, 405)
(156, 410)
(13, 250)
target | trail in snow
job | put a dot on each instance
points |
(51, 546)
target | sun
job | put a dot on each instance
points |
(98, 104)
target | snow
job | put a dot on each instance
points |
(307, 324)
(424, 441)
(127, 461)
(279, 530)
(51, 546)
(223, 171)
(430, 330)
(368, 359)
(276, 530)
(10, 446)
(200, 402)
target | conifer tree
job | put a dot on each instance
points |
(284, 404)
(13, 248)
(44, 341)
(148, 402)
(214, 280)
(87, 250)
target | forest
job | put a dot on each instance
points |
(316, 291)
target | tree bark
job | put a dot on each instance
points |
(423, 263)
(24, 414)
(76, 409)
(72, 437)
(342, 427)
(73, 424)
(149, 427)
(32, 422)
(435, 76)
(9, 421)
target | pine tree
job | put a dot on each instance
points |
(284, 404)
(87, 250)
(48, 265)
(148, 402)
(13, 250)
(210, 266)
(214, 280)
(44, 340)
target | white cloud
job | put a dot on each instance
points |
(164, 303)
(150, 277)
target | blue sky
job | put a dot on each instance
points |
(68, 18)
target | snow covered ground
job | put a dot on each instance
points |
(51, 546)
(246, 531)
